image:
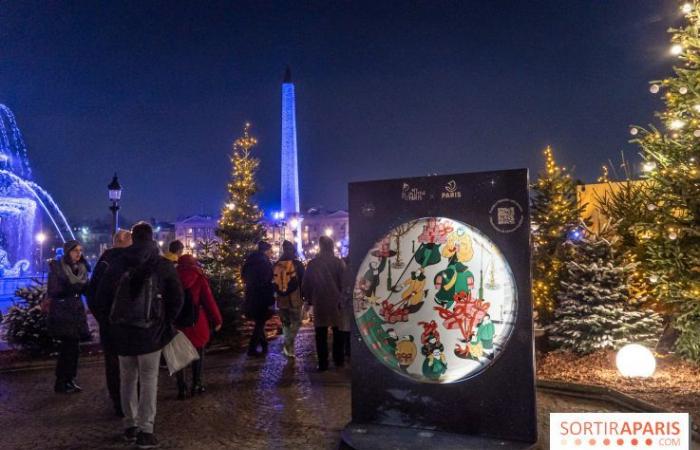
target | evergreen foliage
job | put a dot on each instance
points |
(25, 323)
(671, 154)
(594, 312)
(555, 212)
(240, 226)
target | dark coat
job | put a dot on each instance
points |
(322, 288)
(145, 258)
(101, 310)
(259, 291)
(66, 318)
(193, 278)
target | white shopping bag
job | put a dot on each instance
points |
(179, 353)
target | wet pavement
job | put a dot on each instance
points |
(252, 403)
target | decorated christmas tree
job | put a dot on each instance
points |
(240, 226)
(555, 213)
(671, 156)
(594, 311)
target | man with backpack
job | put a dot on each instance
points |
(146, 297)
(288, 273)
(120, 241)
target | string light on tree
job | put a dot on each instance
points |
(671, 253)
(555, 212)
(240, 226)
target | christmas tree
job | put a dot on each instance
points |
(671, 155)
(240, 226)
(555, 212)
(594, 311)
(624, 205)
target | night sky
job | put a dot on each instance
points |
(158, 91)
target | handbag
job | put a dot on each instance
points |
(179, 353)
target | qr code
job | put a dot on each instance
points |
(506, 216)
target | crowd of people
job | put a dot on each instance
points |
(141, 299)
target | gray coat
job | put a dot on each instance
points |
(322, 288)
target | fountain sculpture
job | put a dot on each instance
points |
(24, 205)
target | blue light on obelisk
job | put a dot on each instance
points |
(290, 171)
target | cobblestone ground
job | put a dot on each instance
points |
(252, 403)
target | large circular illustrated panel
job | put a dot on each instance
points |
(435, 300)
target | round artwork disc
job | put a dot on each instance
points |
(435, 300)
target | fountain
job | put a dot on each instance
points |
(24, 208)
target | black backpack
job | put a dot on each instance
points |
(140, 308)
(189, 314)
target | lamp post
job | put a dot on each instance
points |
(115, 194)
(40, 238)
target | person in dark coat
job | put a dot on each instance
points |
(288, 276)
(138, 348)
(193, 280)
(121, 240)
(322, 288)
(67, 321)
(259, 294)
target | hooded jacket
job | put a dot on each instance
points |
(323, 284)
(145, 259)
(259, 291)
(193, 278)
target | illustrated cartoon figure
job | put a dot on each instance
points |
(476, 350)
(371, 278)
(434, 234)
(392, 339)
(435, 363)
(406, 352)
(456, 278)
(485, 331)
(414, 293)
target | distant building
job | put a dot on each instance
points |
(195, 231)
(590, 195)
(163, 233)
(95, 238)
(314, 224)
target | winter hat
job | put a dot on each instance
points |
(326, 244)
(288, 249)
(70, 245)
(263, 246)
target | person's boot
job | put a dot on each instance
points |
(74, 385)
(131, 434)
(146, 440)
(63, 387)
(198, 389)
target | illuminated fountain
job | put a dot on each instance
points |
(25, 207)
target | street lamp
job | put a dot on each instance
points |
(40, 239)
(115, 194)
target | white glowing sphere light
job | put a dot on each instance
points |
(634, 360)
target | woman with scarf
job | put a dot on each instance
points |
(67, 322)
